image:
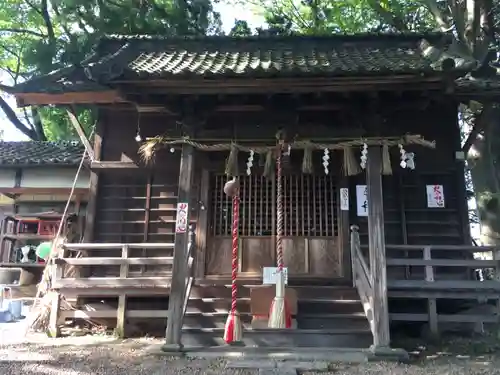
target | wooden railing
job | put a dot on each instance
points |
(124, 280)
(362, 276)
(448, 283)
(189, 272)
(122, 286)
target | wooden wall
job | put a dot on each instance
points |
(136, 205)
(139, 205)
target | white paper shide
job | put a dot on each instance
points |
(435, 196)
(362, 200)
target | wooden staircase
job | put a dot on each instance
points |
(328, 316)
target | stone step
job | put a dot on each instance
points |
(355, 338)
(238, 353)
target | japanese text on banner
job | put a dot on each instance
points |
(362, 200)
(435, 196)
(181, 222)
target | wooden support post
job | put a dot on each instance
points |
(94, 179)
(179, 269)
(90, 214)
(344, 232)
(55, 306)
(378, 266)
(431, 302)
(81, 133)
(496, 257)
(122, 298)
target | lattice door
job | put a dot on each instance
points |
(310, 215)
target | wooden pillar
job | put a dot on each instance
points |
(381, 337)
(202, 225)
(344, 233)
(94, 178)
(179, 269)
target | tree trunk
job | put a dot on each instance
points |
(484, 158)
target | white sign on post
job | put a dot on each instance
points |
(435, 196)
(181, 223)
(270, 274)
(362, 200)
(344, 199)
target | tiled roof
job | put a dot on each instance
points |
(150, 57)
(132, 57)
(40, 153)
(60, 81)
(474, 85)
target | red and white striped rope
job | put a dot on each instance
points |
(234, 274)
(279, 214)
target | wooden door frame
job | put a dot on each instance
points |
(344, 231)
(202, 229)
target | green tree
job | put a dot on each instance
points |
(474, 24)
(39, 36)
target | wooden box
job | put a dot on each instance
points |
(261, 297)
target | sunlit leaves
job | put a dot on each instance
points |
(26, 48)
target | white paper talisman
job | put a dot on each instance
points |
(181, 221)
(269, 275)
(344, 199)
(435, 196)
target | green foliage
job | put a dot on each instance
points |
(342, 16)
(240, 28)
(39, 36)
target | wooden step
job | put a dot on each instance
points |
(333, 321)
(215, 304)
(329, 306)
(303, 292)
(212, 321)
(293, 280)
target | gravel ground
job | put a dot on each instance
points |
(96, 355)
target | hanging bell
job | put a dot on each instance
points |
(231, 187)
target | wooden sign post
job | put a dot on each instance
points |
(179, 269)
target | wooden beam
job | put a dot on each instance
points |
(111, 313)
(39, 190)
(116, 246)
(376, 241)
(179, 269)
(105, 261)
(81, 133)
(113, 165)
(113, 282)
(94, 97)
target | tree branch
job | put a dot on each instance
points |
(48, 23)
(388, 16)
(438, 15)
(22, 31)
(12, 117)
(32, 6)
